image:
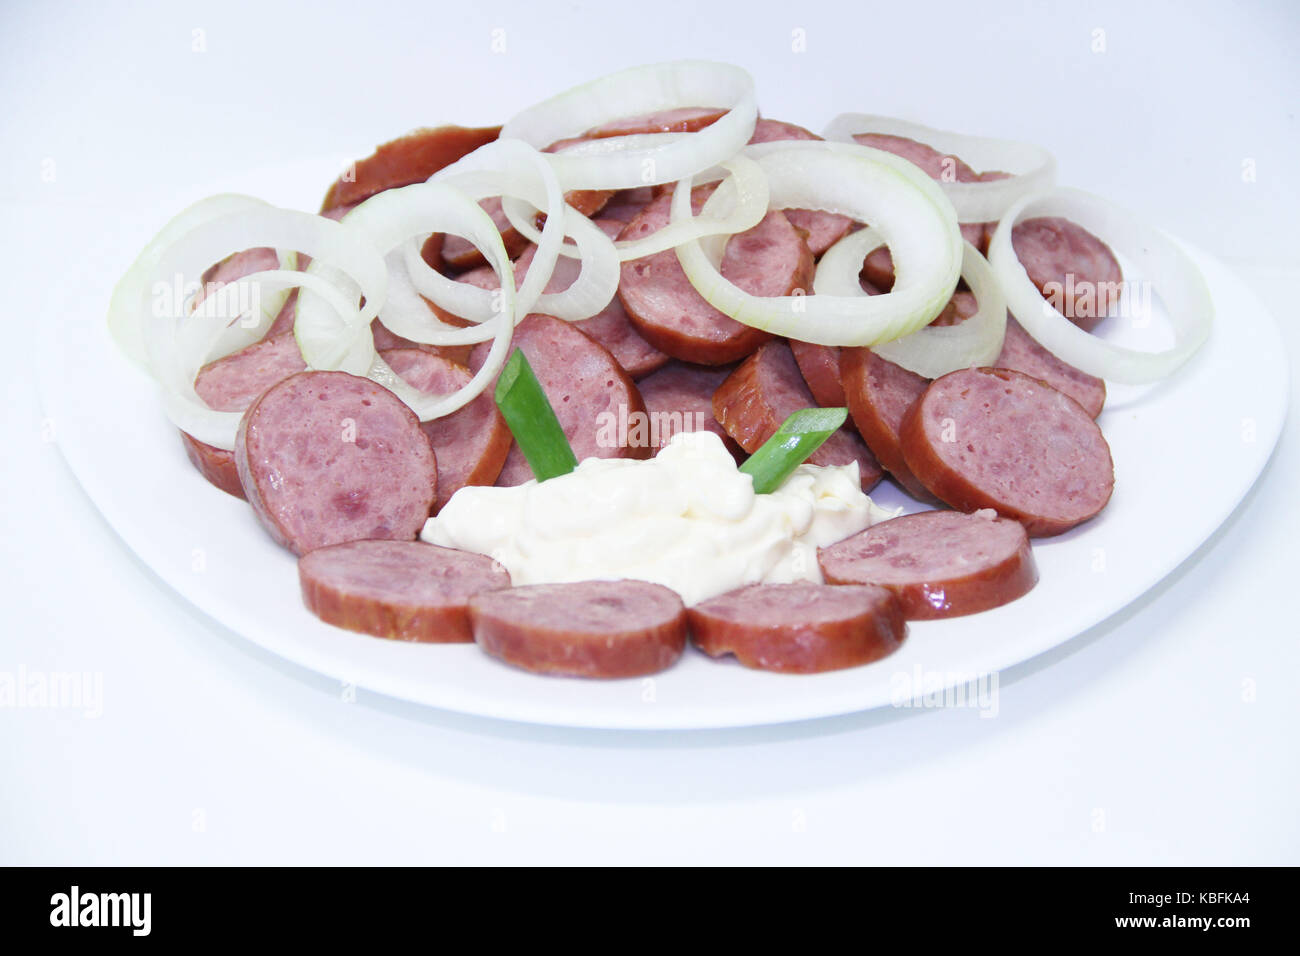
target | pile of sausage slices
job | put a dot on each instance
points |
(1005, 450)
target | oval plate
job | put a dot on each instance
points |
(1186, 452)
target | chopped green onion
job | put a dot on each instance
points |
(532, 420)
(798, 437)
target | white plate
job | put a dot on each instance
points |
(1186, 452)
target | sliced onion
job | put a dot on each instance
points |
(596, 283)
(911, 214)
(744, 198)
(933, 350)
(177, 341)
(506, 168)
(1158, 260)
(392, 218)
(649, 159)
(1032, 167)
(128, 306)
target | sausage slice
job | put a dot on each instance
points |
(879, 394)
(1022, 353)
(820, 367)
(1055, 251)
(800, 628)
(610, 326)
(583, 629)
(327, 457)
(589, 391)
(403, 590)
(679, 398)
(228, 385)
(471, 443)
(996, 438)
(772, 259)
(763, 392)
(938, 563)
(412, 158)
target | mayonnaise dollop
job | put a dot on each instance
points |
(687, 519)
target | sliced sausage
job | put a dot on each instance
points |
(766, 390)
(996, 438)
(879, 393)
(471, 443)
(327, 457)
(387, 341)
(800, 628)
(821, 229)
(217, 465)
(229, 385)
(938, 563)
(260, 259)
(589, 391)
(772, 259)
(610, 326)
(245, 263)
(583, 629)
(820, 367)
(941, 167)
(679, 398)
(402, 590)
(1022, 353)
(1072, 268)
(411, 159)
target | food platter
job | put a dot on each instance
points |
(1186, 452)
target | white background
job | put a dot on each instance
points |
(1167, 735)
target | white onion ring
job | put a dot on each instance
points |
(391, 218)
(648, 159)
(931, 351)
(910, 212)
(1158, 259)
(1032, 167)
(178, 341)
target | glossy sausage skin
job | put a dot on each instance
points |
(996, 438)
(412, 158)
(938, 563)
(878, 394)
(799, 628)
(401, 590)
(586, 629)
(766, 390)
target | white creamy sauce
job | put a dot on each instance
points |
(687, 519)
